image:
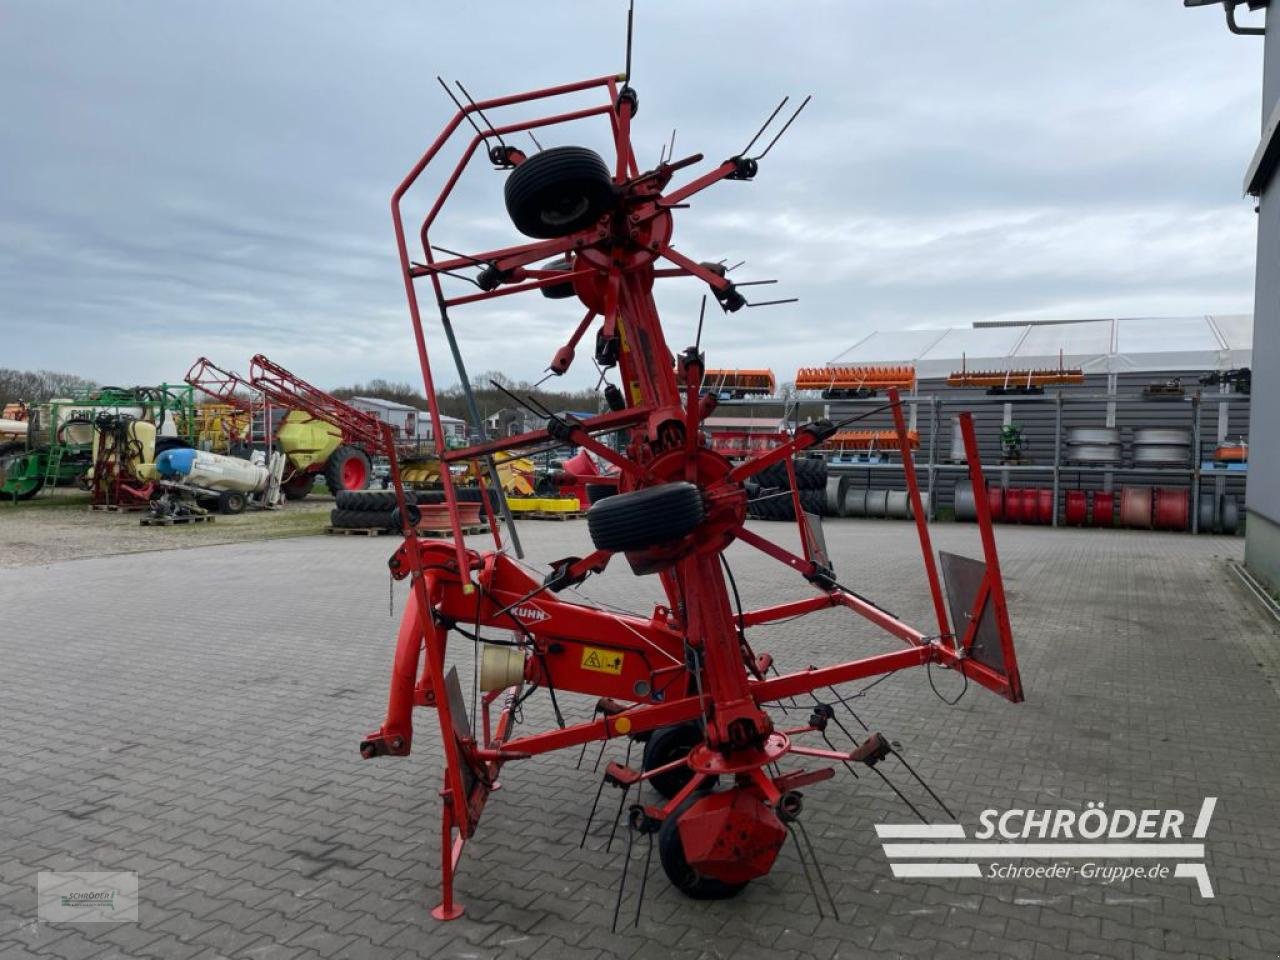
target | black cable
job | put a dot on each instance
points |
(928, 672)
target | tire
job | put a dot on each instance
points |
(347, 468)
(814, 501)
(360, 519)
(472, 495)
(598, 491)
(559, 291)
(810, 475)
(298, 487)
(371, 499)
(231, 502)
(666, 745)
(682, 876)
(645, 518)
(17, 450)
(773, 503)
(558, 192)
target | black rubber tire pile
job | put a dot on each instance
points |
(769, 491)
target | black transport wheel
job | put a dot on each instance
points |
(372, 499)
(298, 486)
(559, 291)
(667, 745)
(232, 502)
(558, 192)
(645, 518)
(682, 876)
(347, 468)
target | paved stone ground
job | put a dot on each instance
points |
(193, 716)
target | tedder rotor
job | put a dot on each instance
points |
(682, 679)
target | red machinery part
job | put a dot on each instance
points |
(995, 503)
(435, 516)
(1076, 508)
(1102, 508)
(1013, 505)
(1135, 507)
(1171, 509)
(1044, 506)
(678, 506)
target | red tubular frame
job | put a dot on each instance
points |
(685, 661)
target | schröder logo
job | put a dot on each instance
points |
(87, 897)
(1093, 844)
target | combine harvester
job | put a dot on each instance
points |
(724, 775)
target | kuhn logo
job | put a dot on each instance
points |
(530, 613)
(1085, 845)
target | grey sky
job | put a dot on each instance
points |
(183, 178)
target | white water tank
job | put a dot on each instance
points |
(212, 471)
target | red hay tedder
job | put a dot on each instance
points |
(724, 778)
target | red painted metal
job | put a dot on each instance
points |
(287, 389)
(1171, 509)
(1102, 508)
(687, 659)
(1044, 506)
(996, 503)
(1076, 510)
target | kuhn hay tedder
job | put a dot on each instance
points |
(723, 773)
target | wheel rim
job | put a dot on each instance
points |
(565, 210)
(354, 474)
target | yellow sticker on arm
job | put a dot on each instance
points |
(602, 661)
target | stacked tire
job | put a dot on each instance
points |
(769, 491)
(371, 510)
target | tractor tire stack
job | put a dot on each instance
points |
(370, 509)
(769, 491)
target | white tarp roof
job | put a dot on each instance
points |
(1137, 344)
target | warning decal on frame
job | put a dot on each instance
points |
(602, 661)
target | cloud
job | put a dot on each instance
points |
(186, 179)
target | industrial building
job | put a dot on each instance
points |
(1171, 373)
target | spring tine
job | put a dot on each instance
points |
(535, 140)
(472, 101)
(600, 755)
(773, 668)
(774, 303)
(804, 866)
(631, 15)
(583, 753)
(779, 134)
(621, 803)
(901, 795)
(592, 815)
(644, 881)
(458, 103)
(920, 780)
(622, 883)
(764, 126)
(813, 855)
(835, 693)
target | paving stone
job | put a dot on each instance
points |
(225, 773)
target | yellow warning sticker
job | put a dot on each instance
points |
(602, 661)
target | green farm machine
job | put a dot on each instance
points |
(59, 445)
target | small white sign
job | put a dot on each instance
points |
(87, 897)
